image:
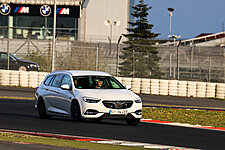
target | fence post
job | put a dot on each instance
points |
(210, 67)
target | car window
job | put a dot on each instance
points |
(97, 82)
(48, 80)
(66, 80)
(57, 80)
(50, 84)
(14, 57)
(114, 84)
(4, 56)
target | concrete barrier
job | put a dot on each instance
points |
(41, 76)
(182, 88)
(173, 87)
(210, 90)
(154, 86)
(145, 86)
(201, 89)
(14, 78)
(24, 79)
(33, 79)
(138, 85)
(220, 90)
(4, 77)
(191, 89)
(127, 81)
(163, 87)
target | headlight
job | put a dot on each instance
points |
(91, 100)
(138, 100)
(33, 65)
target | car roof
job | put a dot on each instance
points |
(83, 73)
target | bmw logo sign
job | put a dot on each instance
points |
(45, 10)
(5, 9)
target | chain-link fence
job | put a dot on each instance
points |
(68, 55)
(195, 63)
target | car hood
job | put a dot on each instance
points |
(107, 94)
(27, 62)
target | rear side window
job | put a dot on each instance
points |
(48, 80)
(57, 80)
(4, 56)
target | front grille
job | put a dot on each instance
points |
(117, 104)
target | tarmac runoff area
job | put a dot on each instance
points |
(117, 142)
(158, 121)
(97, 140)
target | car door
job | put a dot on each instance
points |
(3, 61)
(55, 96)
(12, 63)
(46, 90)
(65, 95)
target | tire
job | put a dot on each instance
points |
(42, 110)
(75, 111)
(133, 121)
(22, 68)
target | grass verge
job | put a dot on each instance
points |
(61, 142)
(194, 117)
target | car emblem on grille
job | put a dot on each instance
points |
(118, 104)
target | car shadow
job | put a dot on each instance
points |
(91, 121)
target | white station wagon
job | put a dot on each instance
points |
(87, 95)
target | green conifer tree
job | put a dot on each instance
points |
(140, 57)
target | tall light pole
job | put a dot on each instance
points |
(8, 61)
(178, 53)
(170, 14)
(118, 55)
(178, 60)
(97, 56)
(53, 40)
(111, 24)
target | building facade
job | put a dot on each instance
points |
(83, 20)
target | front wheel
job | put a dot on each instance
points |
(133, 121)
(75, 111)
(22, 68)
(42, 110)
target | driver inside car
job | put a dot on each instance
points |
(99, 84)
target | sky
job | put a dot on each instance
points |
(190, 17)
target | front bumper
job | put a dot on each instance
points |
(98, 110)
(33, 68)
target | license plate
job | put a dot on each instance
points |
(118, 112)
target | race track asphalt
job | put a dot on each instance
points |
(21, 115)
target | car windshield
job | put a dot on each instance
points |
(97, 82)
(13, 56)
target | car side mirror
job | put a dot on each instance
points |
(66, 87)
(128, 87)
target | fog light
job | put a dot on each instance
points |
(138, 112)
(91, 112)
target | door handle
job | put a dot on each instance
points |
(58, 92)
